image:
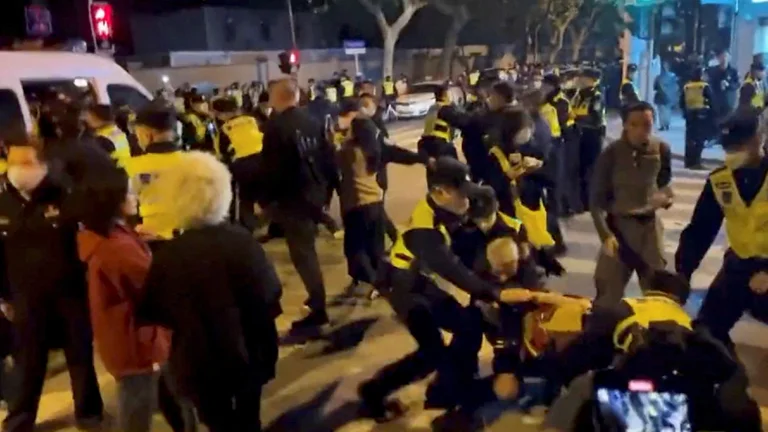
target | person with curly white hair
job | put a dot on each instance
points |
(215, 288)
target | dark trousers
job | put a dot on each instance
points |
(729, 297)
(300, 230)
(434, 147)
(35, 327)
(424, 314)
(590, 146)
(224, 410)
(553, 193)
(696, 128)
(573, 202)
(364, 241)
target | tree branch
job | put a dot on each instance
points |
(410, 7)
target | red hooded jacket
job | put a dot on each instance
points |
(117, 267)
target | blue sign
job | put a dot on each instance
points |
(354, 44)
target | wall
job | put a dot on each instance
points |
(318, 64)
(177, 31)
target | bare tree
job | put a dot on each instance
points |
(586, 23)
(460, 16)
(391, 32)
(534, 22)
(561, 15)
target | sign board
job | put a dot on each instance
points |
(641, 3)
(354, 47)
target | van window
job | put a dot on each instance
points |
(10, 110)
(76, 91)
(122, 95)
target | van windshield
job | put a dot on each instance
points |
(76, 91)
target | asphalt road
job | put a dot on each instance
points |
(316, 381)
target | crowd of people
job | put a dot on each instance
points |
(126, 232)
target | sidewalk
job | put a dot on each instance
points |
(675, 137)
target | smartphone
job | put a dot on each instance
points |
(642, 405)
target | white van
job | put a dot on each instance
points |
(27, 73)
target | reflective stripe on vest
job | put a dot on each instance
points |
(435, 126)
(423, 217)
(646, 311)
(142, 171)
(694, 95)
(758, 99)
(746, 227)
(549, 114)
(474, 77)
(118, 139)
(389, 88)
(198, 126)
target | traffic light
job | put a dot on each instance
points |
(101, 20)
(288, 61)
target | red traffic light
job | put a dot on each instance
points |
(293, 58)
(101, 19)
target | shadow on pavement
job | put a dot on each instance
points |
(346, 337)
(308, 416)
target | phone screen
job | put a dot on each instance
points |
(640, 410)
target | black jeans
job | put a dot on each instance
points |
(590, 146)
(231, 411)
(35, 327)
(364, 241)
(300, 230)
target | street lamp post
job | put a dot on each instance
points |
(293, 26)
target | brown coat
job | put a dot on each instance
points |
(117, 267)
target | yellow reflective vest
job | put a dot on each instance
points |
(3, 166)
(474, 77)
(389, 88)
(549, 114)
(436, 127)
(571, 116)
(423, 217)
(535, 221)
(693, 92)
(347, 87)
(142, 171)
(245, 138)
(746, 227)
(645, 312)
(758, 98)
(332, 94)
(117, 137)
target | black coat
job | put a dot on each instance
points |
(215, 288)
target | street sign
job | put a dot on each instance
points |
(642, 3)
(354, 47)
(38, 19)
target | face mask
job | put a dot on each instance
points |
(368, 111)
(537, 84)
(736, 160)
(267, 111)
(523, 136)
(26, 179)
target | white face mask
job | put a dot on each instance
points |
(523, 136)
(26, 179)
(368, 111)
(537, 84)
(736, 160)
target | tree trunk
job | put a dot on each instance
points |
(577, 42)
(390, 39)
(449, 47)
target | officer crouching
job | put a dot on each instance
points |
(44, 283)
(737, 194)
(240, 146)
(156, 133)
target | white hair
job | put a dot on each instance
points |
(196, 192)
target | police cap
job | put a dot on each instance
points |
(450, 172)
(758, 66)
(158, 116)
(740, 126)
(482, 203)
(225, 105)
(590, 73)
(632, 67)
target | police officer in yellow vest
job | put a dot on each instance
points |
(752, 92)
(696, 103)
(421, 253)
(237, 94)
(389, 92)
(440, 126)
(155, 130)
(331, 93)
(100, 120)
(240, 145)
(199, 129)
(311, 89)
(473, 77)
(627, 91)
(589, 112)
(736, 193)
(619, 328)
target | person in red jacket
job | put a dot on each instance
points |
(118, 261)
